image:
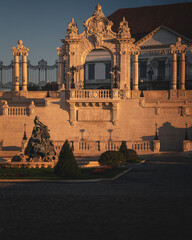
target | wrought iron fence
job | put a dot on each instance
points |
(38, 75)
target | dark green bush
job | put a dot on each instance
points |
(66, 165)
(130, 154)
(112, 158)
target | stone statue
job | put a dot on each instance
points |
(39, 144)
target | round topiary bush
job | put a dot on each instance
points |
(66, 165)
(112, 158)
(130, 154)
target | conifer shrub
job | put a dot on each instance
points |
(130, 154)
(112, 158)
(66, 165)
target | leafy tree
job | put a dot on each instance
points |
(66, 165)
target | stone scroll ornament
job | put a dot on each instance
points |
(40, 144)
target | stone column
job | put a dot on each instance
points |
(182, 71)
(128, 71)
(60, 68)
(16, 71)
(24, 71)
(174, 72)
(17, 51)
(135, 72)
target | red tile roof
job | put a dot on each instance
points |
(143, 20)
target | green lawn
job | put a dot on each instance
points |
(48, 173)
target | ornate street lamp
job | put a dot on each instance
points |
(156, 135)
(24, 135)
(186, 133)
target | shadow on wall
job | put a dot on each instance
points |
(171, 138)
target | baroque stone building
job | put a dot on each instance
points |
(107, 92)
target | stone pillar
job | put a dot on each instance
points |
(156, 146)
(128, 71)
(72, 114)
(174, 72)
(182, 71)
(16, 72)
(60, 68)
(114, 113)
(17, 51)
(24, 71)
(135, 72)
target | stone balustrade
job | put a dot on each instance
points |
(95, 148)
(90, 94)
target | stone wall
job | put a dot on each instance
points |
(137, 119)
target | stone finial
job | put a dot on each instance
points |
(60, 51)
(178, 47)
(124, 30)
(72, 30)
(20, 50)
(98, 11)
(31, 108)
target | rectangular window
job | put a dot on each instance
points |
(107, 71)
(91, 71)
(143, 69)
(161, 70)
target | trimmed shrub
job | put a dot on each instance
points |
(112, 158)
(130, 154)
(66, 165)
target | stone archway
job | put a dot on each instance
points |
(97, 35)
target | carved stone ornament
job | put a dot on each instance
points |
(157, 111)
(142, 103)
(60, 51)
(72, 31)
(186, 145)
(178, 47)
(98, 26)
(156, 145)
(185, 111)
(20, 50)
(124, 30)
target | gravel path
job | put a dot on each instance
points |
(153, 201)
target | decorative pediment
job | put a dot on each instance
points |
(98, 26)
(161, 36)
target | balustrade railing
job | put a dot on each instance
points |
(95, 148)
(90, 94)
(17, 111)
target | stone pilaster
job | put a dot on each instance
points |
(135, 72)
(174, 72)
(72, 113)
(114, 113)
(182, 71)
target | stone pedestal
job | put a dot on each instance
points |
(156, 146)
(186, 145)
(23, 145)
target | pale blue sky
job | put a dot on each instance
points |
(42, 23)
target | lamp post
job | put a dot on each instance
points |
(186, 133)
(24, 135)
(156, 135)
